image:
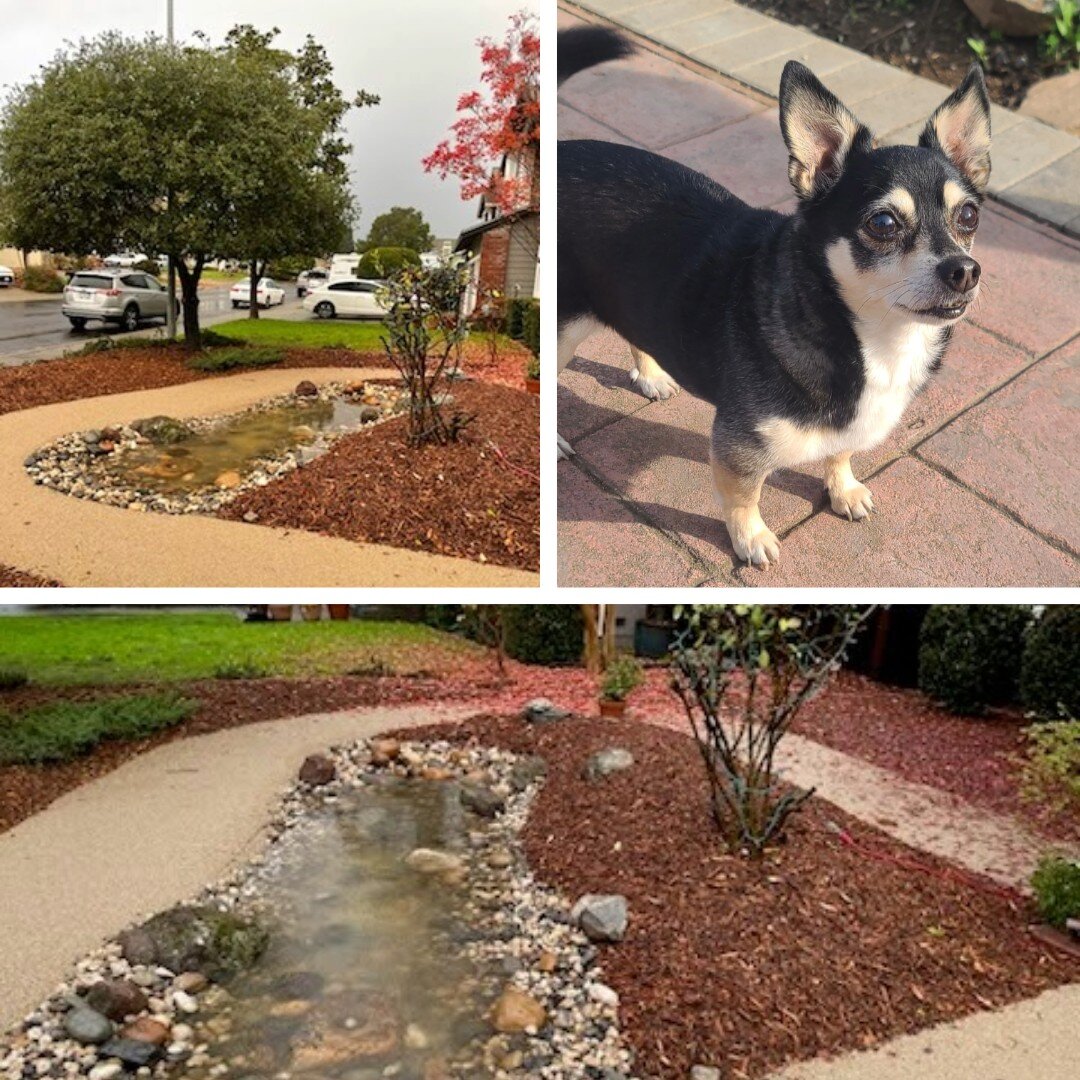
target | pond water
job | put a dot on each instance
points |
(235, 446)
(361, 974)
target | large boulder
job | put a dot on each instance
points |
(137, 947)
(162, 430)
(214, 943)
(1014, 18)
(542, 711)
(601, 918)
(605, 762)
(318, 771)
(430, 861)
(88, 1026)
(482, 800)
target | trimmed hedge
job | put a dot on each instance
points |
(969, 654)
(544, 633)
(1050, 666)
(530, 326)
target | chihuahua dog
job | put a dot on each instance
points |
(809, 332)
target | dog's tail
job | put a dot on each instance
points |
(586, 46)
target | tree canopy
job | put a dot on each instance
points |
(400, 227)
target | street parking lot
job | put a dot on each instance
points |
(34, 329)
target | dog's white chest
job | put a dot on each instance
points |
(896, 361)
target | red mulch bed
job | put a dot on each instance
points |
(973, 758)
(122, 370)
(469, 498)
(817, 950)
(10, 578)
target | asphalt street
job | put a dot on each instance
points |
(35, 330)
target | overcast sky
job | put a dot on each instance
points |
(418, 55)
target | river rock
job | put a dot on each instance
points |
(116, 998)
(603, 994)
(542, 711)
(162, 430)
(137, 947)
(482, 800)
(374, 1038)
(383, 751)
(318, 771)
(292, 985)
(516, 1011)
(132, 1052)
(306, 388)
(185, 1002)
(147, 1029)
(368, 414)
(1014, 18)
(605, 762)
(191, 982)
(430, 861)
(214, 943)
(88, 1026)
(228, 480)
(107, 1070)
(527, 771)
(601, 918)
(704, 1072)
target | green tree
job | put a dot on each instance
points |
(400, 227)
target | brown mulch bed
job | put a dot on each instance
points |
(469, 499)
(10, 578)
(818, 950)
(927, 37)
(121, 370)
(973, 758)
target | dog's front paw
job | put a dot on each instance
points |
(658, 388)
(853, 502)
(757, 546)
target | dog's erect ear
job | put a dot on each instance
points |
(819, 131)
(960, 129)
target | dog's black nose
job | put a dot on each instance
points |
(959, 272)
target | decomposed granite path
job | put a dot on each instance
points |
(82, 543)
(150, 834)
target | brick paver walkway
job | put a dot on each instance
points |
(977, 486)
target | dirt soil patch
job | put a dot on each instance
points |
(927, 37)
(121, 370)
(10, 578)
(476, 498)
(817, 950)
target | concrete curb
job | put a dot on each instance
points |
(88, 544)
(1036, 168)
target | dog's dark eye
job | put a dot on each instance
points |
(883, 226)
(968, 218)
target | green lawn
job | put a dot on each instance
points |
(220, 275)
(334, 333)
(162, 647)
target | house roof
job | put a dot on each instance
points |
(469, 235)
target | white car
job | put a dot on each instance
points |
(7, 277)
(123, 260)
(347, 296)
(267, 295)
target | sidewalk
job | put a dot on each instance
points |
(149, 835)
(976, 488)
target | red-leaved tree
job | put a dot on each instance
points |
(501, 118)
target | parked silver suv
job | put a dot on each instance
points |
(127, 297)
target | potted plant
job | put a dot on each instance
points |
(532, 375)
(623, 675)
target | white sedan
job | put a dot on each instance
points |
(267, 295)
(7, 277)
(348, 296)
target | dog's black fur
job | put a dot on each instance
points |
(739, 305)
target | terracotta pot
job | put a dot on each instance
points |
(608, 707)
(532, 385)
(279, 612)
(339, 612)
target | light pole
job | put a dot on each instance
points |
(170, 319)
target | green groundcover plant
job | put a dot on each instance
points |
(1051, 770)
(1056, 882)
(63, 730)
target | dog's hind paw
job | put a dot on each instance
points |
(659, 388)
(854, 502)
(565, 449)
(761, 549)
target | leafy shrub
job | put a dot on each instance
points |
(289, 268)
(211, 339)
(544, 633)
(240, 669)
(1062, 42)
(969, 654)
(149, 266)
(385, 261)
(532, 368)
(1056, 882)
(1051, 771)
(515, 312)
(12, 679)
(41, 279)
(62, 730)
(243, 356)
(530, 326)
(621, 678)
(1050, 666)
(442, 616)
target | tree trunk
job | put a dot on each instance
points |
(253, 289)
(189, 287)
(591, 650)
